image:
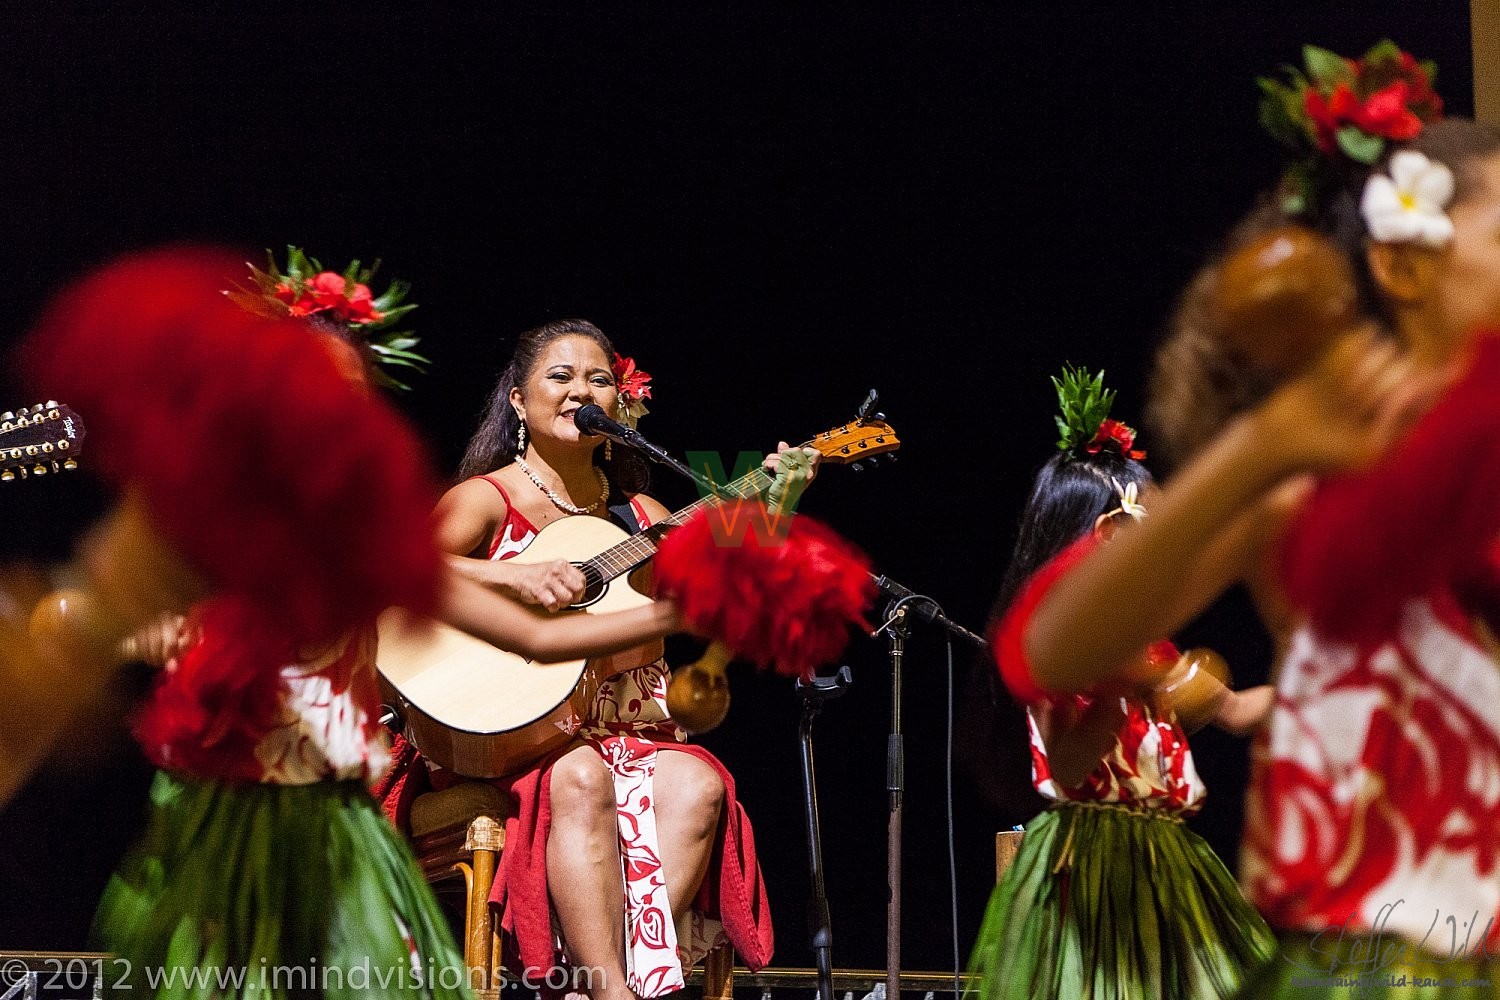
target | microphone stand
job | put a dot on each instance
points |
(814, 693)
(905, 605)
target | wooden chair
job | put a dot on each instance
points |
(459, 833)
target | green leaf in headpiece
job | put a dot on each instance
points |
(1327, 69)
(1084, 403)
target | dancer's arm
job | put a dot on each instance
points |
(1341, 413)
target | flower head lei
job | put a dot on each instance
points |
(634, 387)
(306, 289)
(1342, 115)
(1084, 422)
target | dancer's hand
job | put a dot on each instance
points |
(1347, 408)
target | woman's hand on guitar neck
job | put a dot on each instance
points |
(553, 585)
(794, 470)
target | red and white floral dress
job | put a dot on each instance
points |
(1150, 766)
(627, 725)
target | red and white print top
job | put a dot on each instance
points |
(1375, 796)
(1374, 802)
(1150, 764)
(330, 727)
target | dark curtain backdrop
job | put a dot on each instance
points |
(773, 209)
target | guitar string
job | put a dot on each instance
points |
(638, 548)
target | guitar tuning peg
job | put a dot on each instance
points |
(56, 467)
(50, 404)
(8, 415)
(70, 465)
(857, 466)
(891, 459)
(7, 476)
(38, 408)
(39, 469)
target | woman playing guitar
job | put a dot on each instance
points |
(611, 794)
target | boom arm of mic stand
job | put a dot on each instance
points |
(632, 439)
(925, 608)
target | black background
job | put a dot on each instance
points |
(773, 210)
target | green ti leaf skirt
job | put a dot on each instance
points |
(272, 892)
(1109, 903)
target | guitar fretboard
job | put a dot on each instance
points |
(627, 555)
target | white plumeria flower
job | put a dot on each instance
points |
(1128, 503)
(1408, 205)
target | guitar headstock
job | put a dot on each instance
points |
(47, 437)
(856, 442)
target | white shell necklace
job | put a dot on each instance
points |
(558, 501)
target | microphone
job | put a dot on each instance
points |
(591, 419)
(925, 608)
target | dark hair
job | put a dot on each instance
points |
(342, 332)
(1198, 384)
(1070, 493)
(493, 445)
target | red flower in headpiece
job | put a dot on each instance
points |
(1386, 113)
(325, 291)
(632, 383)
(1121, 435)
(1351, 108)
(1328, 114)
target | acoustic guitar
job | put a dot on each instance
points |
(483, 712)
(47, 437)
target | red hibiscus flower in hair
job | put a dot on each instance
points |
(634, 386)
(1121, 435)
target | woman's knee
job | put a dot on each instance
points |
(581, 783)
(692, 790)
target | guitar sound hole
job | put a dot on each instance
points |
(595, 585)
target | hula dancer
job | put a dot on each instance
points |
(1371, 827)
(267, 869)
(1110, 896)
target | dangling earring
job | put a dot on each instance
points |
(608, 451)
(520, 438)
